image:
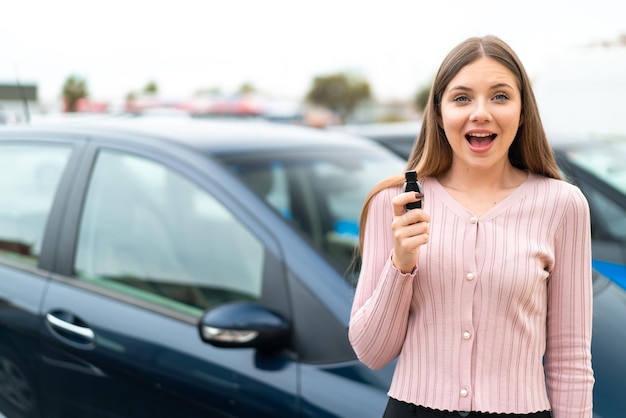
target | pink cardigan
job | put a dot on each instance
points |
(490, 297)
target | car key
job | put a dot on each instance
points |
(412, 185)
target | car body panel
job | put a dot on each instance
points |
(134, 368)
(20, 325)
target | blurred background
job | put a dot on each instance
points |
(319, 63)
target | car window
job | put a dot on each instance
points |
(320, 192)
(150, 233)
(29, 177)
(604, 162)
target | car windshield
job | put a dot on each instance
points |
(605, 161)
(321, 192)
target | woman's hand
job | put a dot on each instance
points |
(410, 231)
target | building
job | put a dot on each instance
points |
(17, 101)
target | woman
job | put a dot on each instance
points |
(484, 294)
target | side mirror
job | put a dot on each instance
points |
(244, 324)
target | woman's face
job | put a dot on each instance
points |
(480, 114)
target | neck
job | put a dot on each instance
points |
(494, 178)
(480, 190)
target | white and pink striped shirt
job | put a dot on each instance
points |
(491, 295)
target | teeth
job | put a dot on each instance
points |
(479, 135)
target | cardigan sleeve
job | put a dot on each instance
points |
(569, 375)
(382, 299)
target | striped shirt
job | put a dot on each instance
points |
(497, 316)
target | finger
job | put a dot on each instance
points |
(410, 244)
(415, 216)
(411, 217)
(411, 230)
(399, 202)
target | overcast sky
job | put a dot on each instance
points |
(118, 46)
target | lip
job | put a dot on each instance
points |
(480, 140)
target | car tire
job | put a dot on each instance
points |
(17, 389)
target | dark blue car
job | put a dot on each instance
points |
(182, 268)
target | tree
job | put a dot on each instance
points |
(74, 89)
(340, 92)
(151, 88)
(247, 88)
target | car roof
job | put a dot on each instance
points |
(208, 135)
(383, 131)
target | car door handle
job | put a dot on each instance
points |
(67, 327)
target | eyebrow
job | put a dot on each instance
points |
(494, 87)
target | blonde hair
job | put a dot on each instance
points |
(432, 155)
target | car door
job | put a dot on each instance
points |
(150, 240)
(30, 178)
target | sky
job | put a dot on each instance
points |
(279, 46)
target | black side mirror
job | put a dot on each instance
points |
(244, 324)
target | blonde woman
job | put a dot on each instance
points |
(484, 295)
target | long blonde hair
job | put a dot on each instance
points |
(432, 155)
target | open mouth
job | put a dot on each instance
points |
(480, 139)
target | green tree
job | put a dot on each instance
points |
(247, 88)
(340, 92)
(74, 89)
(151, 88)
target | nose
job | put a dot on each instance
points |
(480, 112)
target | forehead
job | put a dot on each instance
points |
(484, 71)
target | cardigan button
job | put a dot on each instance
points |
(467, 335)
(473, 219)
(464, 393)
(470, 276)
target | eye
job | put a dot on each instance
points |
(501, 97)
(460, 98)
